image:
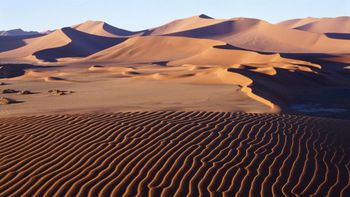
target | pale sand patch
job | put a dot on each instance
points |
(129, 94)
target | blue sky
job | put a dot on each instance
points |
(42, 15)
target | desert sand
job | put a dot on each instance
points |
(197, 106)
(174, 154)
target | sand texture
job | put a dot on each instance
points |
(174, 154)
(195, 107)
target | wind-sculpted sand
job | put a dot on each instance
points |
(174, 154)
(194, 107)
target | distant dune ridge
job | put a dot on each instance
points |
(100, 28)
(320, 25)
(295, 36)
(66, 42)
(18, 32)
(174, 154)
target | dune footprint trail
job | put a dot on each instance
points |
(173, 154)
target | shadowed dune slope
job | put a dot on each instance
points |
(258, 35)
(184, 24)
(294, 23)
(81, 45)
(178, 51)
(174, 154)
(321, 25)
(8, 43)
(100, 28)
(66, 42)
(245, 33)
(52, 40)
(153, 49)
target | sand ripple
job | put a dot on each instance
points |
(173, 154)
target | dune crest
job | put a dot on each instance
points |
(320, 25)
(258, 35)
(101, 28)
(195, 107)
(66, 42)
(184, 24)
(289, 64)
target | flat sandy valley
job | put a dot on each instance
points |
(196, 107)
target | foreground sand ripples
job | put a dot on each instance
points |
(173, 153)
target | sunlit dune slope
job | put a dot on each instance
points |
(320, 25)
(66, 42)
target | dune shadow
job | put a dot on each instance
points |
(161, 63)
(232, 47)
(342, 36)
(228, 47)
(82, 45)
(8, 43)
(325, 93)
(320, 58)
(146, 32)
(16, 70)
(119, 32)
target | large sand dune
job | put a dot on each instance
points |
(13, 42)
(250, 34)
(52, 40)
(100, 28)
(66, 42)
(174, 154)
(320, 25)
(260, 35)
(197, 107)
(280, 65)
(180, 50)
(184, 24)
(80, 45)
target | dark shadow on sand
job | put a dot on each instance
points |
(16, 70)
(323, 94)
(82, 45)
(341, 36)
(8, 43)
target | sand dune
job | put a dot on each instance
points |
(13, 42)
(52, 40)
(100, 28)
(153, 49)
(320, 25)
(66, 42)
(18, 38)
(179, 51)
(174, 154)
(280, 62)
(195, 107)
(294, 23)
(184, 25)
(250, 34)
(81, 45)
(258, 35)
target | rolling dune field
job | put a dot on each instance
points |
(197, 106)
(174, 154)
